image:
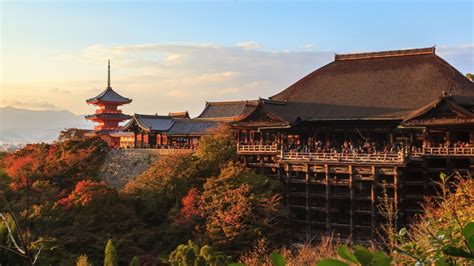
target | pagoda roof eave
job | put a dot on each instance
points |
(97, 101)
(108, 117)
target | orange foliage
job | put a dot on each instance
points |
(190, 205)
(84, 193)
(72, 159)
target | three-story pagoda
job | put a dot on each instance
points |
(108, 116)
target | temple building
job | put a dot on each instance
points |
(172, 131)
(360, 126)
(107, 115)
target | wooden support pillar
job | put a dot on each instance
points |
(135, 140)
(142, 144)
(425, 138)
(373, 206)
(448, 138)
(351, 196)
(308, 207)
(328, 204)
(288, 174)
(395, 196)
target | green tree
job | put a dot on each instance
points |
(191, 254)
(470, 76)
(135, 261)
(110, 258)
(216, 149)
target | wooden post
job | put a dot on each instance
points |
(328, 205)
(373, 207)
(448, 138)
(308, 209)
(288, 170)
(395, 195)
(135, 140)
(425, 138)
(351, 188)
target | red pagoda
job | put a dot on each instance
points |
(108, 116)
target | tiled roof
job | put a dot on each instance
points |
(227, 111)
(108, 116)
(109, 95)
(184, 114)
(191, 127)
(150, 122)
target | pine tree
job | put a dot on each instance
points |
(83, 260)
(110, 258)
(135, 261)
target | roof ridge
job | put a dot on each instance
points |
(389, 53)
(228, 102)
(157, 116)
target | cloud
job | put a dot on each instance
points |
(175, 77)
(30, 104)
(172, 77)
(462, 56)
(249, 45)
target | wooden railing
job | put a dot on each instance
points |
(257, 149)
(353, 157)
(340, 157)
(466, 151)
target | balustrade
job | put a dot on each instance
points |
(252, 149)
(455, 151)
(342, 157)
(353, 157)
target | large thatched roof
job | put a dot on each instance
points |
(382, 84)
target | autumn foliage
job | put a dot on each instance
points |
(208, 197)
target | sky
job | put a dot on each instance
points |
(174, 56)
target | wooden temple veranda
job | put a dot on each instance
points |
(364, 125)
(339, 139)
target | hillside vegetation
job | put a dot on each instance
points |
(196, 209)
(65, 211)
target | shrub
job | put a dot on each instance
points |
(191, 254)
(444, 233)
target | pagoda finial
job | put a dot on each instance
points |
(108, 75)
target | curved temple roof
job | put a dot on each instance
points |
(109, 116)
(227, 111)
(109, 96)
(183, 127)
(386, 84)
(150, 122)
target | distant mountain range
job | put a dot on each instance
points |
(23, 125)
